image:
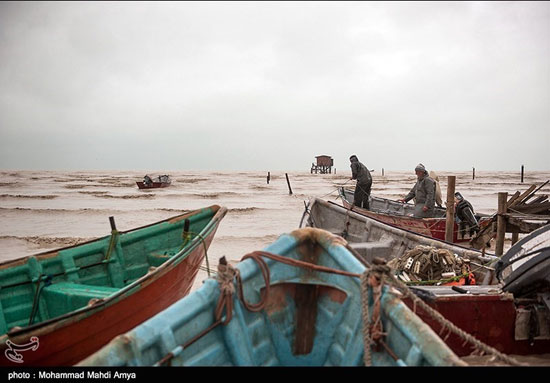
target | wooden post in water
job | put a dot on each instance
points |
(521, 173)
(268, 177)
(473, 173)
(450, 217)
(382, 172)
(501, 223)
(288, 182)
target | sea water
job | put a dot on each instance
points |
(43, 210)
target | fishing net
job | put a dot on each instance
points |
(430, 265)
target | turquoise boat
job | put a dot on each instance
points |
(280, 315)
(58, 307)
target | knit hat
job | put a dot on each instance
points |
(421, 168)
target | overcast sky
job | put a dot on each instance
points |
(268, 86)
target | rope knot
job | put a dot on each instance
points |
(226, 274)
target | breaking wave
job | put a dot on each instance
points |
(190, 180)
(244, 209)
(49, 196)
(127, 196)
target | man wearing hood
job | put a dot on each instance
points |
(360, 173)
(423, 192)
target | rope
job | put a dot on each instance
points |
(374, 278)
(367, 339)
(36, 300)
(445, 323)
(302, 264)
(186, 236)
(383, 272)
(226, 274)
(372, 326)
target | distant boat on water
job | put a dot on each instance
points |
(161, 181)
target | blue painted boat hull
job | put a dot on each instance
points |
(311, 318)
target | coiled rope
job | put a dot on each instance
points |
(373, 278)
(384, 275)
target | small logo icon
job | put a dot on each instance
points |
(12, 350)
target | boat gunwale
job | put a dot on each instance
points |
(53, 253)
(393, 230)
(132, 287)
(431, 220)
(287, 245)
(398, 216)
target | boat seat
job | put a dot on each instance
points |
(64, 297)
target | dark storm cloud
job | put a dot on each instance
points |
(236, 85)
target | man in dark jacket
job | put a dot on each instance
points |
(423, 192)
(360, 173)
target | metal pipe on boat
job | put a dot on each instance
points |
(112, 222)
(450, 216)
(501, 223)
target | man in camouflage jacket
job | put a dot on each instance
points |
(423, 192)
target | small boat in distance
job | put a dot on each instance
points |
(161, 181)
(298, 303)
(58, 307)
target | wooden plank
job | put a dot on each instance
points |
(524, 195)
(306, 315)
(532, 194)
(537, 200)
(515, 224)
(513, 198)
(528, 209)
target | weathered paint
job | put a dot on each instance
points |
(269, 337)
(378, 239)
(66, 339)
(490, 317)
(433, 227)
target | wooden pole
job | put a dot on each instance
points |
(450, 218)
(382, 172)
(268, 177)
(501, 223)
(521, 173)
(288, 182)
(473, 173)
(515, 236)
(112, 222)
